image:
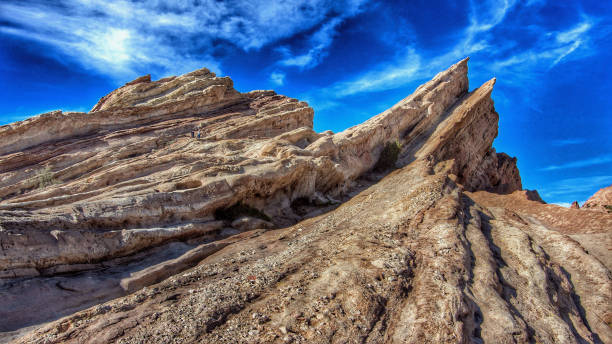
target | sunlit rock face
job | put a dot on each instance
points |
(209, 215)
(600, 201)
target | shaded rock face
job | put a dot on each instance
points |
(439, 246)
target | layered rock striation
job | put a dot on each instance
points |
(409, 227)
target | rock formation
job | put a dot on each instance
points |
(181, 210)
(600, 201)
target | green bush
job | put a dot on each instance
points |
(238, 210)
(608, 208)
(45, 177)
(388, 156)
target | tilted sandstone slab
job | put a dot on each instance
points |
(423, 255)
(261, 152)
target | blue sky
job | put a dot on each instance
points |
(349, 59)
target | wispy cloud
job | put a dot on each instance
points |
(604, 159)
(124, 38)
(551, 49)
(381, 78)
(571, 39)
(319, 42)
(563, 204)
(409, 65)
(277, 78)
(568, 142)
(570, 188)
(477, 38)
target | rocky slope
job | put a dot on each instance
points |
(600, 201)
(406, 228)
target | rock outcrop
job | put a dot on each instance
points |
(149, 219)
(600, 201)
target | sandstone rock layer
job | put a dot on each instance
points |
(408, 228)
(600, 201)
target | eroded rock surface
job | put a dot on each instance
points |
(446, 248)
(600, 201)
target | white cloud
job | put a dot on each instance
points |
(485, 15)
(567, 142)
(277, 78)
(123, 38)
(319, 42)
(570, 188)
(383, 77)
(409, 65)
(477, 38)
(568, 204)
(604, 159)
(551, 49)
(563, 204)
(574, 34)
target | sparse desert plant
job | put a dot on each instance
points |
(388, 156)
(45, 177)
(608, 208)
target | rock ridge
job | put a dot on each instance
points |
(600, 201)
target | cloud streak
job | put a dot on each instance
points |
(604, 159)
(570, 187)
(409, 65)
(381, 78)
(568, 142)
(551, 49)
(277, 78)
(563, 204)
(319, 42)
(477, 38)
(123, 38)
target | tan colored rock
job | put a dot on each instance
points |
(600, 201)
(247, 223)
(261, 152)
(446, 248)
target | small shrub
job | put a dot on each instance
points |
(237, 210)
(608, 208)
(45, 177)
(388, 156)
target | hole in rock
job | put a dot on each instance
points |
(237, 210)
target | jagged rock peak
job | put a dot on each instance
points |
(143, 92)
(138, 103)
(600, 201)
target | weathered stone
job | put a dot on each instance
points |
(247, 223)
(600, 201)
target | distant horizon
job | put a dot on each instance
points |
(350, 60)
